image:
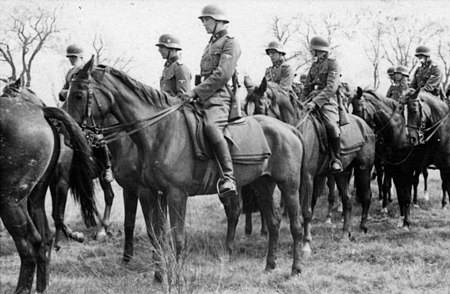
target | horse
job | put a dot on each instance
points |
(29, 152)
(167, 162)
(124, 169)
(401, 158)
(59, 184)
(269, 99)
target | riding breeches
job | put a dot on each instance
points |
(330, 115)
(216, 118)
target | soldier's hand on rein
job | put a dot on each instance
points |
(310, 106)
(186, 98)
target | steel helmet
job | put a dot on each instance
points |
(303, 78)
(74, 50)
(214, 12)
(423, 50)
(169, 41)
(391, 71)
(403, 70)
(319, 43)
(277, 46)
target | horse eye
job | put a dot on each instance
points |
(79, 96)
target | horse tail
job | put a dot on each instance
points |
(82, 166)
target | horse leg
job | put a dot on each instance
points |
(426, 197)
(109, 197)
(363, 192)
(342, 180)
(21, 228)
(154, 209)
(380, 177)
(130, 200)
(414, 186)
(264, 230)
(248, 200)
(272, 212)
(445, 177)
(403, 183)
(306, 191)
(36, 207)
(331, 183)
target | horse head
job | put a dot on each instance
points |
(257, 100)
(382, 114)
(16, 90)
(87, 101)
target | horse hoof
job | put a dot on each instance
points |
(78, 236)
(101, 236)
(384, 210)
(270, 267)
(444, 207)
(306, 250)
(406, 228)
(296, 271)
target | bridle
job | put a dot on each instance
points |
(116, 131)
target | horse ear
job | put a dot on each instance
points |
(89, 66)
(18, 83)
(359, 93)
(262, 88)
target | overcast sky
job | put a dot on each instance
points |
(132, 28)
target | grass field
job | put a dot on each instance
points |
(385, 260)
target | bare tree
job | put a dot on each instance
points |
(120, 62)
(25, 36)
(443, 53)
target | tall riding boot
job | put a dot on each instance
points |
(226, 185)
(107, 174)
(336, 164)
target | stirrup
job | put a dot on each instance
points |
(108, 175)
(226, 186)
(333, 168)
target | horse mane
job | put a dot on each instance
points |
(381, 101)
(438, 108)
(142, 91)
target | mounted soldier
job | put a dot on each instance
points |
(428, 77)
(280, 72)
(401, 77)
(75, 55)
(321, 85)
(217, 67)
(176, 77)
(392, 87)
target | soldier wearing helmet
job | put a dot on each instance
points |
(401, 77)
(176, 77)
(428, 77)
(75, 55)
(393, 86)
(217, 67)
(280, 72)
(322, 83)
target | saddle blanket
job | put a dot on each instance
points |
(245, 138)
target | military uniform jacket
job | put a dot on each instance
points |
(395, 91)
(324, 77)
(282, 74)
(176, 77)
(217, 66)
(428, 77)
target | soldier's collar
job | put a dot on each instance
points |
(171, 60)
(218, 35)
(278, 62)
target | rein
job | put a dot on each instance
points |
(436, 127)
(119, 130)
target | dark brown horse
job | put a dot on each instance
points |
(29, 152)
(166, 160)
(125, 172)
(269, 99)
(59, 184)
(403, 160)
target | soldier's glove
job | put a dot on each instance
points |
(186, 98)
(310, 106)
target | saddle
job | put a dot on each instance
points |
(352, 138)
(245, 138)
(417, 116)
